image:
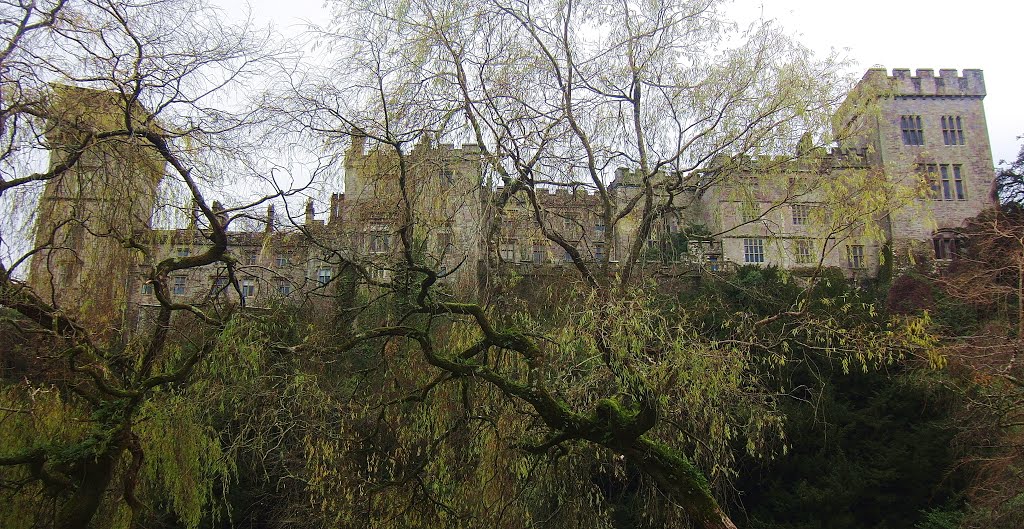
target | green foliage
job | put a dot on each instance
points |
(32, 418)
(940, 518)
(704, 384)
(830, 317)
(187, 465)
(869, 451)
(672, 247)
(183, 461)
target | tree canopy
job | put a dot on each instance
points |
(610, 394)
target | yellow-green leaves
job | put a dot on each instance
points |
(184, 463)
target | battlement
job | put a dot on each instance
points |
(358, 149)
(576, 191)
(924, 82)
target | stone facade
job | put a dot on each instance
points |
(923, 134)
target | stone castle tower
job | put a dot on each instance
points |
(444, 193)
(89, 211)
(929, 130)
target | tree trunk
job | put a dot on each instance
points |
(95, 477)
(681, 481)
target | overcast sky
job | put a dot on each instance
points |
(911, 34)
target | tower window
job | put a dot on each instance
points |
(952, 182)
(952, 130)
(946, 245)
(323, 276)
(913, 132)
(945, 181)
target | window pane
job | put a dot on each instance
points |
(947, 190)
(913, 132)
(958, 180)
(856, 254)
(753, 250)
(803, 252)
(179, 286)
(539, 253)
(800, 214)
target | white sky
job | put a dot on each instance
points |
(914, 34)
(911, 34)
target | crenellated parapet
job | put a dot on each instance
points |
(847, 158)
(468, 151)
(924, 82)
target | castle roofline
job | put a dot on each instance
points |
(924, 82)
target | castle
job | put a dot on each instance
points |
(919, 165)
